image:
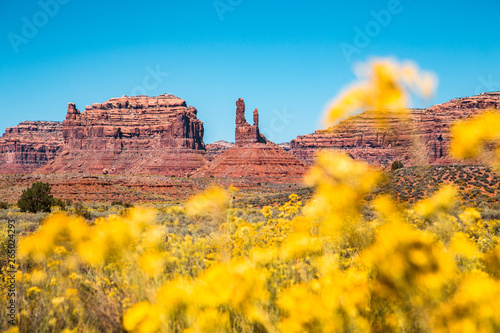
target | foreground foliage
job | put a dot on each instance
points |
(318, 268)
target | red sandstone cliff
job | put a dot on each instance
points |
(132, 135)
(29, 145)
(253, 156)
(421, 138)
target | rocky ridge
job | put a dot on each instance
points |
(29, 146)
(216, 148)
(418, 137)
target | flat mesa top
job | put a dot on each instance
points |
(142, 97)
(140, 102)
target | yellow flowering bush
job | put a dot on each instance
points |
(318, 267)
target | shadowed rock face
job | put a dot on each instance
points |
(132, 135)
(29, 145)
(253, 156)
(423, 137)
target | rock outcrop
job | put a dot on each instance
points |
(434, 125)
(253, 157)
(366, 136)
(418, 137)
(131, 135)
(29, 145)
(244, 132)
(217, 148)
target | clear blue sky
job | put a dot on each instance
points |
(283, 57)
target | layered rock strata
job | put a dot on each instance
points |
(253, 157)
(417, 137)
(132, 135)
(217, 148)
(29, 146)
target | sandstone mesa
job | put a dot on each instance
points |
(131, 135)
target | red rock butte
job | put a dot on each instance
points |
(418, 137)
(131, 135)
(253, 156)
(30, 145)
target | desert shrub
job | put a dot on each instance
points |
(82, 211)
(4, 205)
(59, 203)
(396, 165)
(490, 214)
(36, 198)
(121, 203)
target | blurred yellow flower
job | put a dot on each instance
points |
(152, 263)
(13, 329)
(383, 85)
(408, 262)
(462, 245)
(469, 135)
(142, 318)
(213, 202)
(474, 307)
(33, 290)
(441, 202)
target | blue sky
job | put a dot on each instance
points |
(283, 57)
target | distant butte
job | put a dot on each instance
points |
(131, 135)
(29, 146)
(253, 156)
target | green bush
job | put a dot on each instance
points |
(396, 165)
(4, 205)
(60, 203)
(36, 199)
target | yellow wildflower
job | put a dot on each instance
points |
(152, 263)
(441, 202)
(462, 245)
(469, 135)
(142, 318)
(383, 84)
(213, 202)
(33, 290)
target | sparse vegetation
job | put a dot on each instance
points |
(396, 165)
(36, 198)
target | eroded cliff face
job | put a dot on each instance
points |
(367, 136)
(29, 146)
(132, 135)
(434, 125)
(417, 137)
(253, 156)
